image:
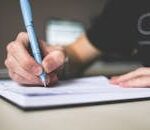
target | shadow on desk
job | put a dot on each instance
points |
(110, 68)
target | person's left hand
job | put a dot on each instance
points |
(138, 78)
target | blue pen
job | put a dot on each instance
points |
(27, 17)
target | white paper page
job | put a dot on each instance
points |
(83, 85)
(77, 86)
(77, 91)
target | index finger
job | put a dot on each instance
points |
(131, 75)
(23, 38)
(18, 50)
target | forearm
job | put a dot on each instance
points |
(80, 54)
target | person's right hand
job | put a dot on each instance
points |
(23, 68)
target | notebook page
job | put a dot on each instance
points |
(63, 87)
(97, 84)
(76, 91)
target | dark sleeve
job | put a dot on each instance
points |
(114, 30)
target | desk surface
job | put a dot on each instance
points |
(123, 116)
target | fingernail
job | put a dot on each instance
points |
(50, 67)
(37, 70)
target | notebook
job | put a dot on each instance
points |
(83, 91)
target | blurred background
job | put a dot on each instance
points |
(11, 20)
(52, 17)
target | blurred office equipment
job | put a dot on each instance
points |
(63, 32)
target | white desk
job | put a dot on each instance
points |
(124, 116)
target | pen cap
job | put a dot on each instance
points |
(26, 12)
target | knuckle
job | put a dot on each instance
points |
(13, 76)
(30, 78)
(17, 78)
(9, 46)
(10, 65)
(6, 63)
(22, 34)
(27, 64)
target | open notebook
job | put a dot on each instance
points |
(72, 92)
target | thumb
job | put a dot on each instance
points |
(53, 61)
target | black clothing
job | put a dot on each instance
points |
(123, 27)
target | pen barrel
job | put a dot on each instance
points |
(26, 11)
(34, 44)
(35, 48)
